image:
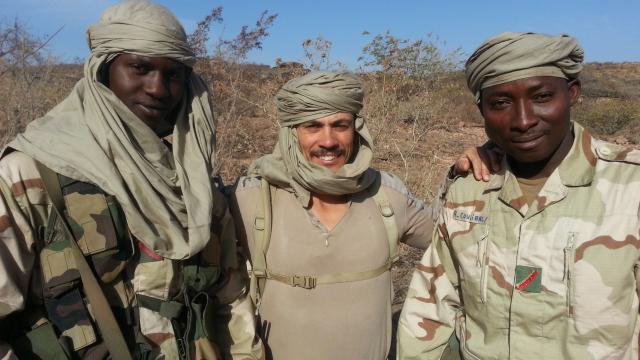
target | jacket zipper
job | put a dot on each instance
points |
(569, 251)
(482, 262)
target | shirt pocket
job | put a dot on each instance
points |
(470, 243)
(600, 275)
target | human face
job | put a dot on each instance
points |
(151, 87)
(529, 118)
(328, 141)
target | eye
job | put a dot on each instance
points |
(140, 68)
(310, 127)
(342, 126)
(177, 74)
(543, 96)
(499, 104)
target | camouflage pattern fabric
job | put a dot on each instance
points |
(223, 304)
(553, 280)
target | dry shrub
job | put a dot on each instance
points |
(607, 116)
(31, 81)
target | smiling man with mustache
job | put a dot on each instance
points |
(322, 227)
(542, 261)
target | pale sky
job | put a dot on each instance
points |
(608, 30)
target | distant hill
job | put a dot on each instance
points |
(611, 80)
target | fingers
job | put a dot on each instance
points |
(482, 161)
(495, 157)
(462, 165)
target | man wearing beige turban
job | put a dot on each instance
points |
(542, 261)
(322, 227)
(114, 241)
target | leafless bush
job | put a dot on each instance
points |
(317, 55)
(29, 82)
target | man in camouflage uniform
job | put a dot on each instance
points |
(142, 207)
(541, 261)
(321, 275)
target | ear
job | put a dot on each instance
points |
(575, 90)
(479, 104)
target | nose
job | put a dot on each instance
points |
(328, 139)
(525, 118)
(157, 85)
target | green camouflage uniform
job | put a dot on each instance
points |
(24, 209)
(555, 279)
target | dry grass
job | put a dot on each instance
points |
(419, 124)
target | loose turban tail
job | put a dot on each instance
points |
(311, 97)
(512, 56)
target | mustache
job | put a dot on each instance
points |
(324, 152)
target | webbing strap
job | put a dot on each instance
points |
(310, 282)
(389, 221)
(102, 313)
(261, 239)
(262, 236)
(166, 308)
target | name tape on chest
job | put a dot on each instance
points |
(470, 217)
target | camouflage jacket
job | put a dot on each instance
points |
(553, 280)
(24, 210)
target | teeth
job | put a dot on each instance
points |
(327, 157)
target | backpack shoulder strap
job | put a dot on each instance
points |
(311, 281)
(102, 312)
(388, 218)
(261, 239)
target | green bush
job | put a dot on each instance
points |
(607, 116)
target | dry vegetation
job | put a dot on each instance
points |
(417, 104)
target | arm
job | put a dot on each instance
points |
(480, 160)
(427, 321)
(16, 262)
(234, 320)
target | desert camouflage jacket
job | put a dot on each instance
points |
(24, 210)
(553, 280)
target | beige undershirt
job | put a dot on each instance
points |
(531, 188)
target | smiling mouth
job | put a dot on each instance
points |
(327, 157)
(527, 142)
(153, 110)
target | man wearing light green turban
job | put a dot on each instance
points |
(322, 227)
(542, 261)
(126, 160)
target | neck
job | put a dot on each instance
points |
(543, 168)
(329, 209)
(326, 199)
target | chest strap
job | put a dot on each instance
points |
(167, 308)
(262, 236)
(310, 281)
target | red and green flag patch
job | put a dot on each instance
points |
(528, 278)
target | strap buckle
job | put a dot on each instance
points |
(303, 281)
(386, 210)
(259, 273)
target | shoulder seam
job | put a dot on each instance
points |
(393, 182)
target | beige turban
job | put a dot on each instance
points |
(167, 195)
(513, 56)
(310, 97)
